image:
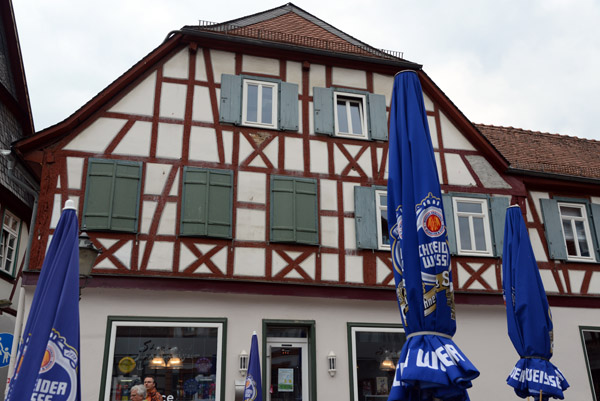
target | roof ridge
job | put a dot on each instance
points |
(524, 130)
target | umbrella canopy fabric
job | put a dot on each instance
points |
(48, 357)
(431, 365)
(528, 315)
(253, 387)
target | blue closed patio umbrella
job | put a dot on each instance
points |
(431, 366)
(528, 315)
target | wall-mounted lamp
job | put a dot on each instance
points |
(387, 364)
(331, 363)
(243, 362)
(158, 362)
(87, 257)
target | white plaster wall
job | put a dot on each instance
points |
(251, 187)
(294, 154)
(294, 74)
(383, 85)
(329, 231)
(328, 194)
(170, 140)
(349, 77)
(433, 132)
(136, 141)
(222, 63)
(200, 72)
(172, 100)
(178, 65)
(330, 267)
(74, 172)
(139, 100)
(96, 137)
(316, 78)
(481, 333)
(319, 157)
(202, 109)
(156, 177)
(203, 144)
(249, 262)
(250, 226)
(452, 137)
(458, 173)
(260, 65)
(428, 102)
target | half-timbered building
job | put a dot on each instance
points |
(235, 179)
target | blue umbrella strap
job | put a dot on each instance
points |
(535, 357)
(428, 333)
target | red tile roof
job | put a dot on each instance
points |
(545, 153)
(292, 25)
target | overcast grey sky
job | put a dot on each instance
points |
(532, 64)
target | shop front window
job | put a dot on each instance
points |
(185, 358)
(374, 354)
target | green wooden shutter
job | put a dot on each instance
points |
(194, 202)
(230, 110)
(378, 127)
(294, 210)
(220, 198)
(595, 211)
(282, 209)
(288, 106)
(98, 195)
(323, 111)
(306, 211)
(365, 215)
(449, 217)
(112, 195)
(498, 216)
(126, 195)
(553, 228)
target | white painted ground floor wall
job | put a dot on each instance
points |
(481, 334)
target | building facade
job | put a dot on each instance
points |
(235, 179)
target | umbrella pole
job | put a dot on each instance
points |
(540, 395)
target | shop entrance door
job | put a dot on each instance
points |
(287, 369)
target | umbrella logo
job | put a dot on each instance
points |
(430, 217)
(250, 391)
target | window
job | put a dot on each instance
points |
(294, 210)
(590, 337)
(185, 357)
(289, 360)
(374, 352)
(112, 195)
(370, 217)
(350, 114)
(475, 224)
(207, 202)
(350, 118)
(572, 228)
(576, 231)
(259, 102)
(8, 242)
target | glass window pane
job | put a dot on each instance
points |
(465, 233)
(385, 237)
(570, 211)
(592, 349)
(569, 238)
(342, 116)
(356, 118)
(383, 200)
(376, 356)
(468, 207)
(252, 103)
(479, 231)
(581, 238)
(182, 359)
(267, 105)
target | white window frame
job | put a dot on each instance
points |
(353, 331)
(380, 210)
(11, 233)
(274, 109)
(351, 97)
(489, 251)
(586, 226)
(157, 323)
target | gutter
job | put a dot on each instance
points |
(554, 176)
(288, 46)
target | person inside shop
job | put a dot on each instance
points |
(152, 394)
(138, 393)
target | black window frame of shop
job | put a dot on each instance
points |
(588, 364)
(372, 327)
(180, 322)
